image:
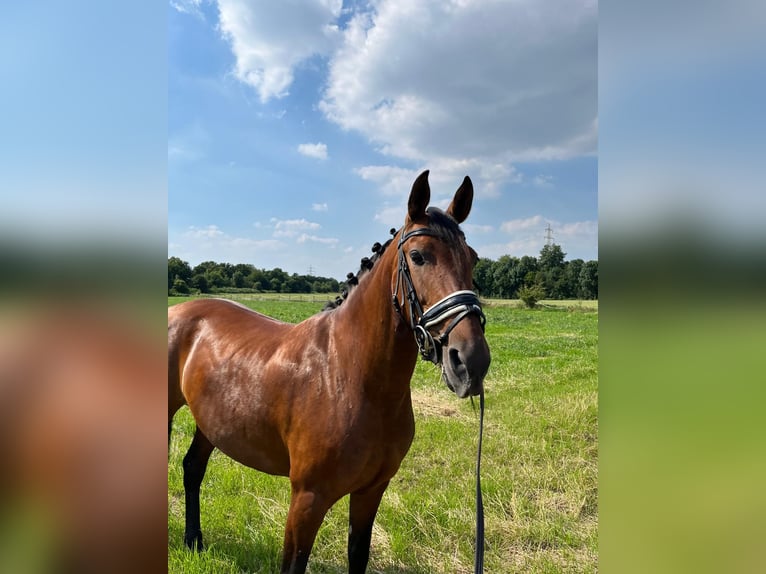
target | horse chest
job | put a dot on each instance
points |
(387, 433)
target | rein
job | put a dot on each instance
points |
(478, 557)
(458, 306)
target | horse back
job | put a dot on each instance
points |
(201, 324)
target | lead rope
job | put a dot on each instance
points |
(478, 557)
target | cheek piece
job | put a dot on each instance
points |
(456, 306)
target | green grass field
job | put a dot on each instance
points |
(539, 467)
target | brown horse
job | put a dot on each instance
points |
(327, 401)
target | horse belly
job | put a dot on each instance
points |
(240, 425)
(270, 460)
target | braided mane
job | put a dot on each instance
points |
(442, 223)
(352, 280)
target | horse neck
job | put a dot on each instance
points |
(371, 331)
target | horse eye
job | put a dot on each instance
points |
(417, 257)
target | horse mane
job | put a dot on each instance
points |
(352, 280)
(444, 226)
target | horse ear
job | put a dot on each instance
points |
(419, 197)
(461, 203)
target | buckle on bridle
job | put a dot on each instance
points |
(427, 345)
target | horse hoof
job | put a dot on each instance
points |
(193, 541)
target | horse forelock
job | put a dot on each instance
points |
(444, 225)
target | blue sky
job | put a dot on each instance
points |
(295, 130)
(83, 115)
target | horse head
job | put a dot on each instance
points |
(432, 288)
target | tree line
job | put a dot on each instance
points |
(548, 276)
(212, 277)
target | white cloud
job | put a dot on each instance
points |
(304, 237)
(545, 181)
(515, 225)
(392, 216)
(496, 83)
(577, 230)
(208, 232)
(213, 241)
(319, 207)
(444, 178)
(461, 87)
(527, 237)
(315, 150)
(292, 227)
(475, 228)
(391, 180)
(191, 7)
(537, 224)
(269, 39)
(515, 248)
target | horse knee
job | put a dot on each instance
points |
(194, 470)
(195, 463)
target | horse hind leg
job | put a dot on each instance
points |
(194, 465)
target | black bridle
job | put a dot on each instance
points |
(458, 306)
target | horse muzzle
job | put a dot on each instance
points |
(464, 366)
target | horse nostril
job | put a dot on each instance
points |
(454, 359)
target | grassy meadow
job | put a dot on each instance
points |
(539, 466)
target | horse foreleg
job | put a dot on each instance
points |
(305, 516)
(363, 508)
(195, 464)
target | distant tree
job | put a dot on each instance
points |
(227, 270)
(526, 271)
(482, 276)
(244, 268)
(571, 278)
(278, 280)
(204, 267)
(216, 278)
(180, 286)
(503, 276)
(551, 256)
(323, 285)
(200, 282)
(589, 280)
(297, 284)
(530, 278)
(178, 269)
(238, 279)
(551, 263)
(259, 279)
(531, 294)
